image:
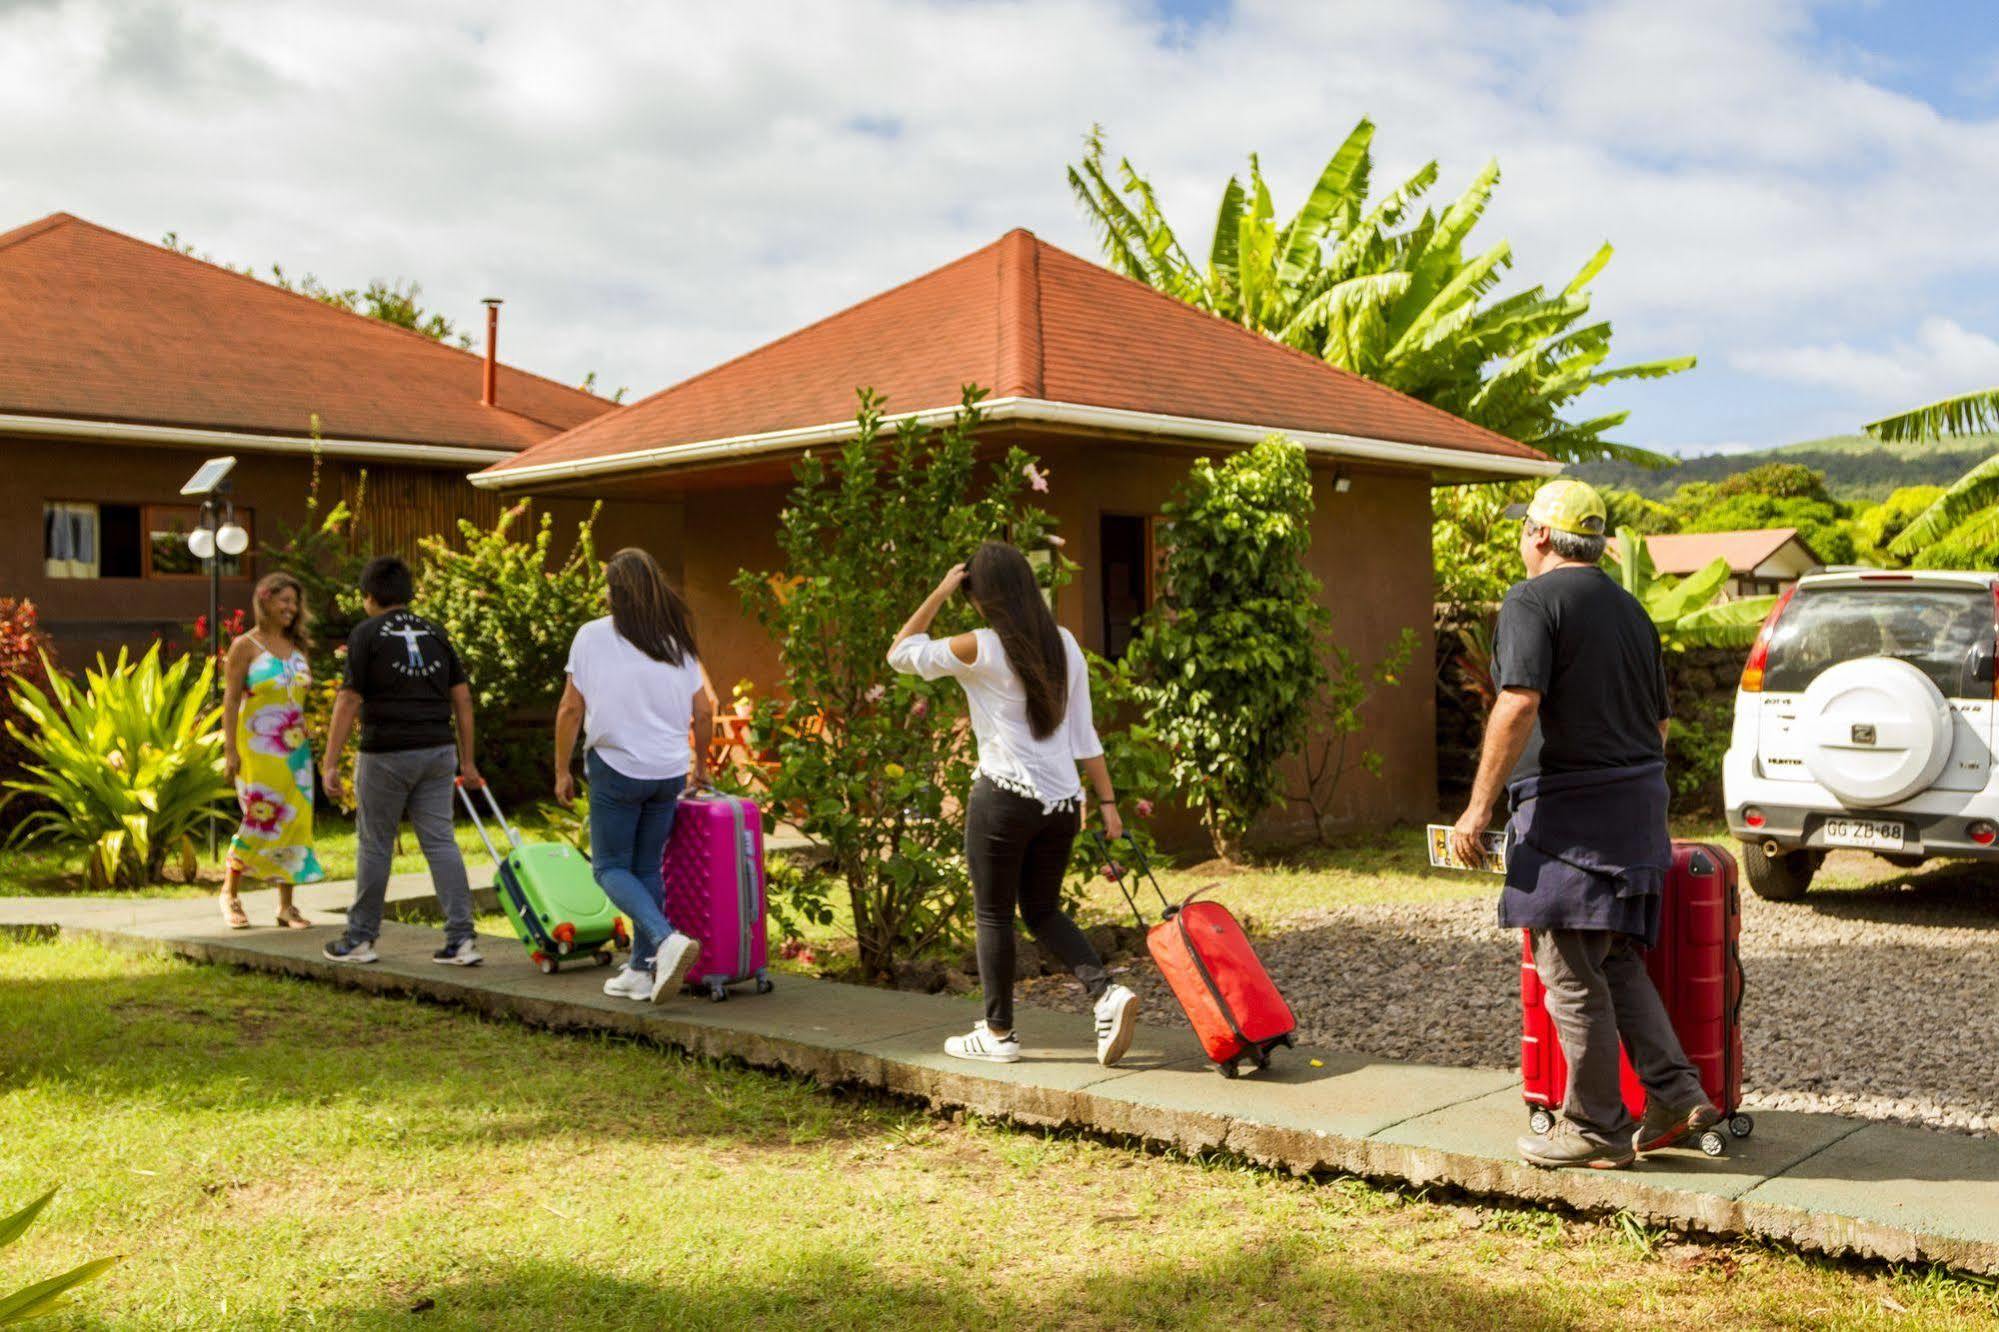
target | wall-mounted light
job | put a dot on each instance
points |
(1342, 482)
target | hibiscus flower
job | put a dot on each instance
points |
(265, 812)
(277, 729)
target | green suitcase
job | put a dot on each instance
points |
(549, 895)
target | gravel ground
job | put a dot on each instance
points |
(1880, 1002)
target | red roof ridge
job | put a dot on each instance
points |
(798, 332)
(55, 219)
(28, 230)
(1374, 385)
(1018, 373)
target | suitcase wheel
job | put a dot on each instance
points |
(544, 963)
(1290, 1039)
(619, 935)
(603, 957)
(717, 992)
(1713, 1144)
(1227, 1070)
(1741, 1125)
(1540, 1121)
(764, 985)
(1261, 1058)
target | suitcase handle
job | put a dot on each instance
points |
(1139, 866)
(465, 798)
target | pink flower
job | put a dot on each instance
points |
(1036, 478)
(1144, 808)
(920, 709)
(277, 729)
(874, 695)
(264, 810)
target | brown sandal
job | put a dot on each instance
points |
(291, 918)
(233, 913)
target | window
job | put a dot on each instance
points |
(167, 555)
(90, 540)
(1939, 631)
(1127, 553)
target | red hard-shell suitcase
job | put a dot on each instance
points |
(1208, 963)
(1697, 967)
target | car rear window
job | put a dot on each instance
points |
(1936, 630)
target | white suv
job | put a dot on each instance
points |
(1864, 719)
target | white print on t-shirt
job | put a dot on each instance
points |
(410, 631)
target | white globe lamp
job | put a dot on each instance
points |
(231, 539)
(201, 543)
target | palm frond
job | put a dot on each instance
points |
(1976, 489)
(1967, 414)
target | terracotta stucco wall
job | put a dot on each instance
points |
(86, 615)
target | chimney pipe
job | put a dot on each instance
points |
(490, 391)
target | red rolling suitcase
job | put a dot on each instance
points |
(1697, 967)
(1207, 961)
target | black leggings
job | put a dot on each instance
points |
(1018, 855)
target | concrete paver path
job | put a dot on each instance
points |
(1823, 1182)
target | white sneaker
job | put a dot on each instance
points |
(982, 1044)
(1117, 1023)
(629, 984)
(672, 963)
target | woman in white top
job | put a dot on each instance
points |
(1029, 693)
(636, 691)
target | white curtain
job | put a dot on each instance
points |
(69, 540)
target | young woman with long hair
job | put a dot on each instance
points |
(267, 752)
(1028, 689)
(635, 691)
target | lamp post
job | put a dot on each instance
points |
(213, 536)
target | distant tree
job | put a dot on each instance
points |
(1474, 546)
(1779, 480)
(1628, 508)
(1360, 286)
(1821, 522)
(1876, 527)
(396, 302)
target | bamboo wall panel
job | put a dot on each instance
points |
(402, 505)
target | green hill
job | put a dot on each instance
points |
(1855, 467)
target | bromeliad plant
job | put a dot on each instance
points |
(127, 765)
(43, 1297)
(873, 765)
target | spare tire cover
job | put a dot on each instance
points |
(1875, 730)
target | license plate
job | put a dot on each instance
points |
(1868, 834)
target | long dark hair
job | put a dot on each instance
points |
(1000, 582)
(645, 609)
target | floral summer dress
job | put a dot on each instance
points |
(274, 784)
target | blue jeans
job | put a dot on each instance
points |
(630, 821)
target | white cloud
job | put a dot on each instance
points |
(1942, 360)
(655, 188)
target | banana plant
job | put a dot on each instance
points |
(1961, 527)
(1364, 288)
(1686, 611)
(43, 1297)
(128, 765)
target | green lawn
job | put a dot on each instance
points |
(268, 1152)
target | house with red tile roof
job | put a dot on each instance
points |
(1760, 562)
(124, 364)
(1117, 389)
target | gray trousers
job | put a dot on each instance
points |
(1599, 992)
(418, 782)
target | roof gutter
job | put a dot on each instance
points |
(125, 432)
(1181, 429)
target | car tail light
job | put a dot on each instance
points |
(1983, 833)
(1759, 655)
(1753, 817)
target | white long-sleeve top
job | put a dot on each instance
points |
(1009, 754)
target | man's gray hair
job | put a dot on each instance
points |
(1585, 548)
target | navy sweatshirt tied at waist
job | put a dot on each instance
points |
(1588, 851)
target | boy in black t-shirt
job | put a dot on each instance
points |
(405, 683)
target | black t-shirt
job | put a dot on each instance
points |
(1591, 650)
(403, 667)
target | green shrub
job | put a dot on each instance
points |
(873, 765)
(510, 608)
(128, 764)
(1229, 665)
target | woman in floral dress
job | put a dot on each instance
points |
(268, 754)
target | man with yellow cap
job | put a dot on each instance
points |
(1576, 742)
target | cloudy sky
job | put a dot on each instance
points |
(1803, 194)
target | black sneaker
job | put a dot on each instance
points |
(344, 949)
(459, 954)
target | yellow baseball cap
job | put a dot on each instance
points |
(1566, 505)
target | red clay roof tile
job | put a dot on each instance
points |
(96, 325)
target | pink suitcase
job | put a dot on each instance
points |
(714, 872)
